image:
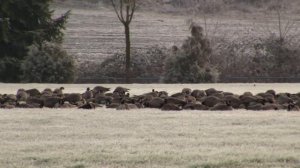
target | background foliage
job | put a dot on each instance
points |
(22, 24)
(48, 63)
(190, 63)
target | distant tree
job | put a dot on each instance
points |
(125, 10)
(24, 23)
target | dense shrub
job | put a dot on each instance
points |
(22, 24)
(180, 70)
(10, 69)
(269, 59)
(48, 63)
(277, 57)
(145, 63)
(190, 63)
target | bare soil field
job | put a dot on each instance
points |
(94, 34)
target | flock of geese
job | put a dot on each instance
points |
(120, 99)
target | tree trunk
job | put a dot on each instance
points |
(127, 68)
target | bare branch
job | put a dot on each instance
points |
(127, 14)
(116, 11)
(279, 24)
(132, 10)
(124, 10)
(121, 11)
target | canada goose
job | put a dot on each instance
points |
(47, 92)
(294, 97)
(198, 94)
(269, 106)
(293, 107)
(100, 89)
(298, 94)
(34, 100)
(102, 99)
(163, 94)
(129, 100)
(267, 97)
(297, 103)
(7, 106)
(122, 91)
(112, 105)
(9, 98)
(1, 99)
(132, 106)
(211, 91)
(156, 102)
(218, 95)
(58, 92)
(283, 99)
(114, 101)
(126, 106)
(228, 94)
(272, 92)
(210, 101)
(25, 105)
(234, 100)
(255, 106)
(109, 94)
(88, 94)
(146, 99)
(52, 102)
(122, 107)
(222, 107)
(177, 101)
(88, 106)
(186, 91)
(139, 104)
(270, 98)
(178, 95)
(247, 94)
(73, 98)
(33, 92)
(153, 93)
(66, 105)
(190, 99)
(22, 95)
(246, 100)
(195, 106)
(171, 107)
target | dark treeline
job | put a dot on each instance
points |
(26, 29)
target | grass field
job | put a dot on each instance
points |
(136, 89)
(149, 138)
(108, 138)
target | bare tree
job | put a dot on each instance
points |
(125, 10)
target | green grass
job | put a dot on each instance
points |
(146, 138)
